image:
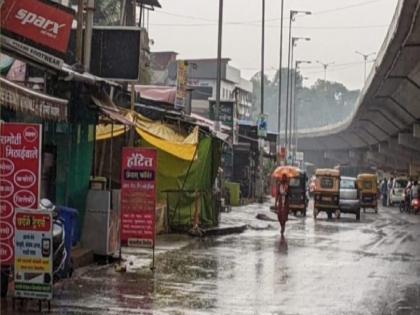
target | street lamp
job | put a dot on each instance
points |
(219, 67)
(293, 14)
(365, 57)
(261, 139)
(280, 82)
(325, 66)
(295, 123)
(290, 87)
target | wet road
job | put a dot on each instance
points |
(330, 267)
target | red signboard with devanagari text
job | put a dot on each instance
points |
(20, 167)
(138, 197)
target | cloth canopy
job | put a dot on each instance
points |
(158, 134)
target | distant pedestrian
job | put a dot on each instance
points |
(282, 203)
(390, 184)
(384, 191)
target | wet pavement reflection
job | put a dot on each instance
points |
(326, 267)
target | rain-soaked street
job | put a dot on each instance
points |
(330, 267)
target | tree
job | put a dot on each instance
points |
(322, 104)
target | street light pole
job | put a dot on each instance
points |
(219, 66)
(365, 58)
(262, 55)
(280, 83)
(293, 13)
(325, 66)
(261, 139)
(290, 101)
(295, 123)
(286, 127)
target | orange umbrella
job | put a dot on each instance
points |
(289, 171)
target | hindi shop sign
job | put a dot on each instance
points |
(33, 272)
(138, 197)
(38, 104)
(20, 167)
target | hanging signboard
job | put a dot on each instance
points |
(37, 29)
(26, 100)
(20, 168)
(33, 272)
(138, 197)
(181, 97)
(226, 112)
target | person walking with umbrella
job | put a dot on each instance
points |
(282, 203)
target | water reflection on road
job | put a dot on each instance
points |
(328, 267)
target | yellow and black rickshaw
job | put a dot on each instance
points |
(368, 189)
(327, 191)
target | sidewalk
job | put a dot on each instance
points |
(236, 221)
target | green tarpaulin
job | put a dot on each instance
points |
(180, 181)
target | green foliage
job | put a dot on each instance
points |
(321, 104)
(107, 12)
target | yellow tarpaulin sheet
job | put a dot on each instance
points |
(181, 150)
(104, 132)
(156, 133)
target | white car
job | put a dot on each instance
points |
(396, 194)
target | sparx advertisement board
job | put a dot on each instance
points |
(37, 29)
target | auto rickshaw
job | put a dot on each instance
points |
(327, 191)
(368, 188)
(298, 201)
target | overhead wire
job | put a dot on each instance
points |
(351, 6)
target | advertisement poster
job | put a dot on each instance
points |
(38, 23)
(181, 84)
(33, 254)
(138, 197)
(39, 30)
(20, 167)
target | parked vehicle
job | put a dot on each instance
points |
(62, 265)
(368, 188)
(397, 190)
(349, 197)
(298, 201)
(326, 193)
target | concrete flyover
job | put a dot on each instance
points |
(384, 129)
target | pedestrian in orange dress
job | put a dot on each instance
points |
(282, 203)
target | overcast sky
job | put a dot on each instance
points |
(337, 28)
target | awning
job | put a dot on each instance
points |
(23, 99)
(185, 151)
(110, 110)
(159, 94)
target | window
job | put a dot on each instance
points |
(348, 184)
(367, 185)
(327, 182)
(294, 182)
(400, 183)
